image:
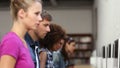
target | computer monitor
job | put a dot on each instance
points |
(117, 53)
(103, 51)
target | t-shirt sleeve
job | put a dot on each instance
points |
(10, 47)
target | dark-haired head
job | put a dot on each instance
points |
(69, 40)
(46, 16)
(68, 47)
(55, 36)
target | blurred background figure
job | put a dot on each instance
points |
(61, 57)
(52, 42)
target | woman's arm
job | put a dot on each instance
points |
(43, 59)
(7, 61)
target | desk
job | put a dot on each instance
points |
(82, 66)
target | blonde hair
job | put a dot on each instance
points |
(16, 5)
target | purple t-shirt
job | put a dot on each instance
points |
(13, 46)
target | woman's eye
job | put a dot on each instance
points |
(37, 13)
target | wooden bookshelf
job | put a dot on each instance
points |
(84, 48)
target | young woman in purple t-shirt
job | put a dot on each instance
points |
(14, 51)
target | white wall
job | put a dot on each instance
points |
(5, 22)
(72, 20)
(108, 22)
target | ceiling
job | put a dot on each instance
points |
(58, 3)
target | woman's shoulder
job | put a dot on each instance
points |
(11, 39)
(10, 45)
(10, 36)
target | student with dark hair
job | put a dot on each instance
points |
(33, 36)
(14, 51)
(61, 57)
(52, 42)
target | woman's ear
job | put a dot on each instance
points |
(21, 13)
